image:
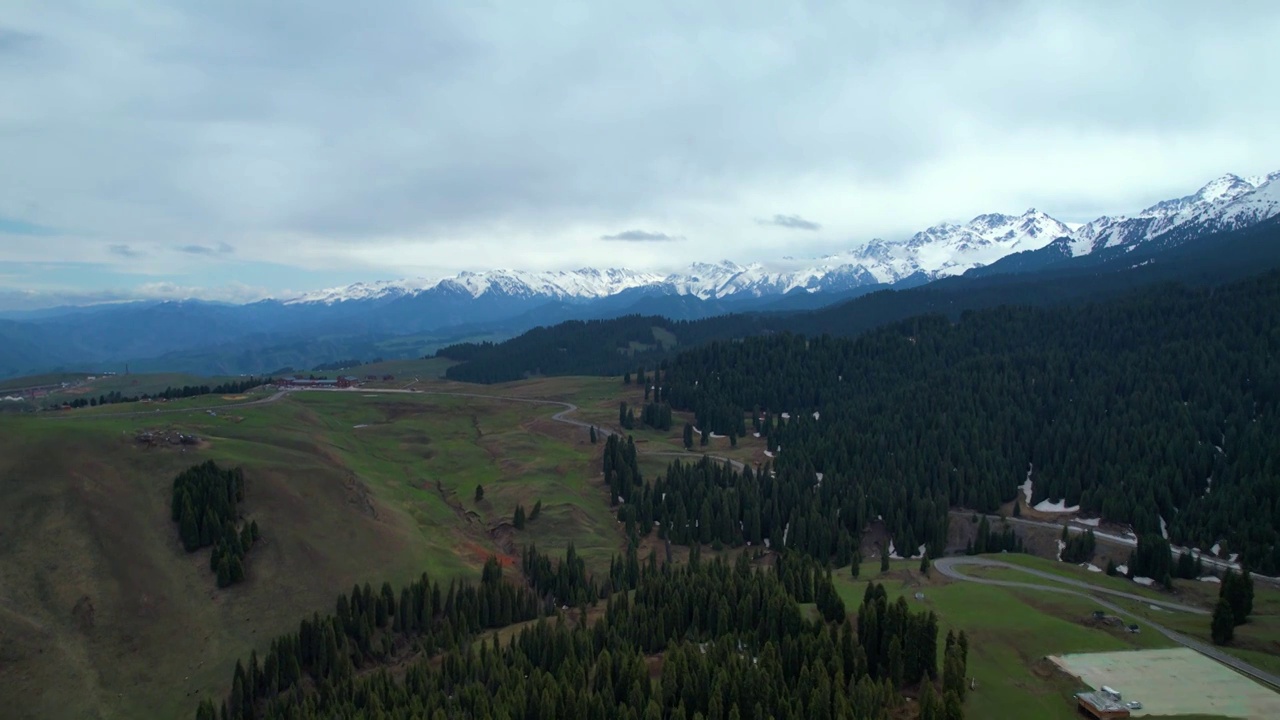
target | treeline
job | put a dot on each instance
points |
(172, 393)
(343, 364)
(733, 642)
(991, 540)
(591, 347)
(204, 504)
(1077, 548)
(1164, 405)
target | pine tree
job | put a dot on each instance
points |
(924, 564)
(479, 493)
(537, 510)
(688, 436)
(518, 521)
(1223, 626)
(884, 560)
(593, 435)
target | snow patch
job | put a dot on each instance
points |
(1122, 569)
(1164, 528)
(768, 454)
(357, 427)
(919, 552)
(893, 554)
(786, 416)
(1090, 566)
(1210, 579)
(1232, 557)
(755, 434)
(1061, 546)
(1144, 581)
(1026, 486)
(715, 436)
(1091, 522)
(816, 415)
(1217, 548)
(1058, 507)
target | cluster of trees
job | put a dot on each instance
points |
(734, 641)
(1127, 408)
(205, 505)
(1077, 548)
(593, 347)
(990, 540)
(1235, 605)
(520, 517)
(657, 415)
(172, 393)
(565, 583)
(1152, 558)
(344, 364)
(366, 630)
(708, 502)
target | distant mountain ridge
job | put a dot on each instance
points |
(1225, 203)
(393, 319)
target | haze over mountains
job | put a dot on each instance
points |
(409, 317)
(1226, 203)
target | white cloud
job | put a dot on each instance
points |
(410, 138)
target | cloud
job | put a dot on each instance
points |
(13, 226)
(423, 137)
(124, 251)
(642, 236)
(793, 222)
(220, 249)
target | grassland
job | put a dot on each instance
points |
(1010, 632)
(103, 615)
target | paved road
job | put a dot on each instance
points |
(1125, 540)
(948, 566)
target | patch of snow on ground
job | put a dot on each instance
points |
(816, 415)
(714, 436)
(919, 552)
(696, 431)
(893, 554)
(1210, 579)
(756, 434)
(1061, 546)
(1122, 569)
(786, 416)
(359, 426)
(1026, 486)
(1217, 548)
(1060, 506)
(768, 454)
(1208, 484)
(1090, 566)
(1144, 581)
(819, 476)
(1164, 528)
(1091, 522)
(1232, 557)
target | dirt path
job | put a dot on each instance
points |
(948, 566)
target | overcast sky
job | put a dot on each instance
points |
(233, 148)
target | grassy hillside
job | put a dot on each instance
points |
(103, 615)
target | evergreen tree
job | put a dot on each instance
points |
(479, 493)
(593, 434)
(688, 436)
(519, 519)
(1224, 623)
(884, 560)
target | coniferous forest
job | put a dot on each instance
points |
(713, 640)
(205, 505)
(1161, 405)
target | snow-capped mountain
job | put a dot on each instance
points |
(584, 283)
(1226, 203)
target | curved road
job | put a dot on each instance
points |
(948, 566)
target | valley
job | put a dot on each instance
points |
(373, 485)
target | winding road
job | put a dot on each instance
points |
(949, 567)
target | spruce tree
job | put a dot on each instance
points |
(1224, 624)
(884, 560)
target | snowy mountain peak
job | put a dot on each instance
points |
(1225, 203)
